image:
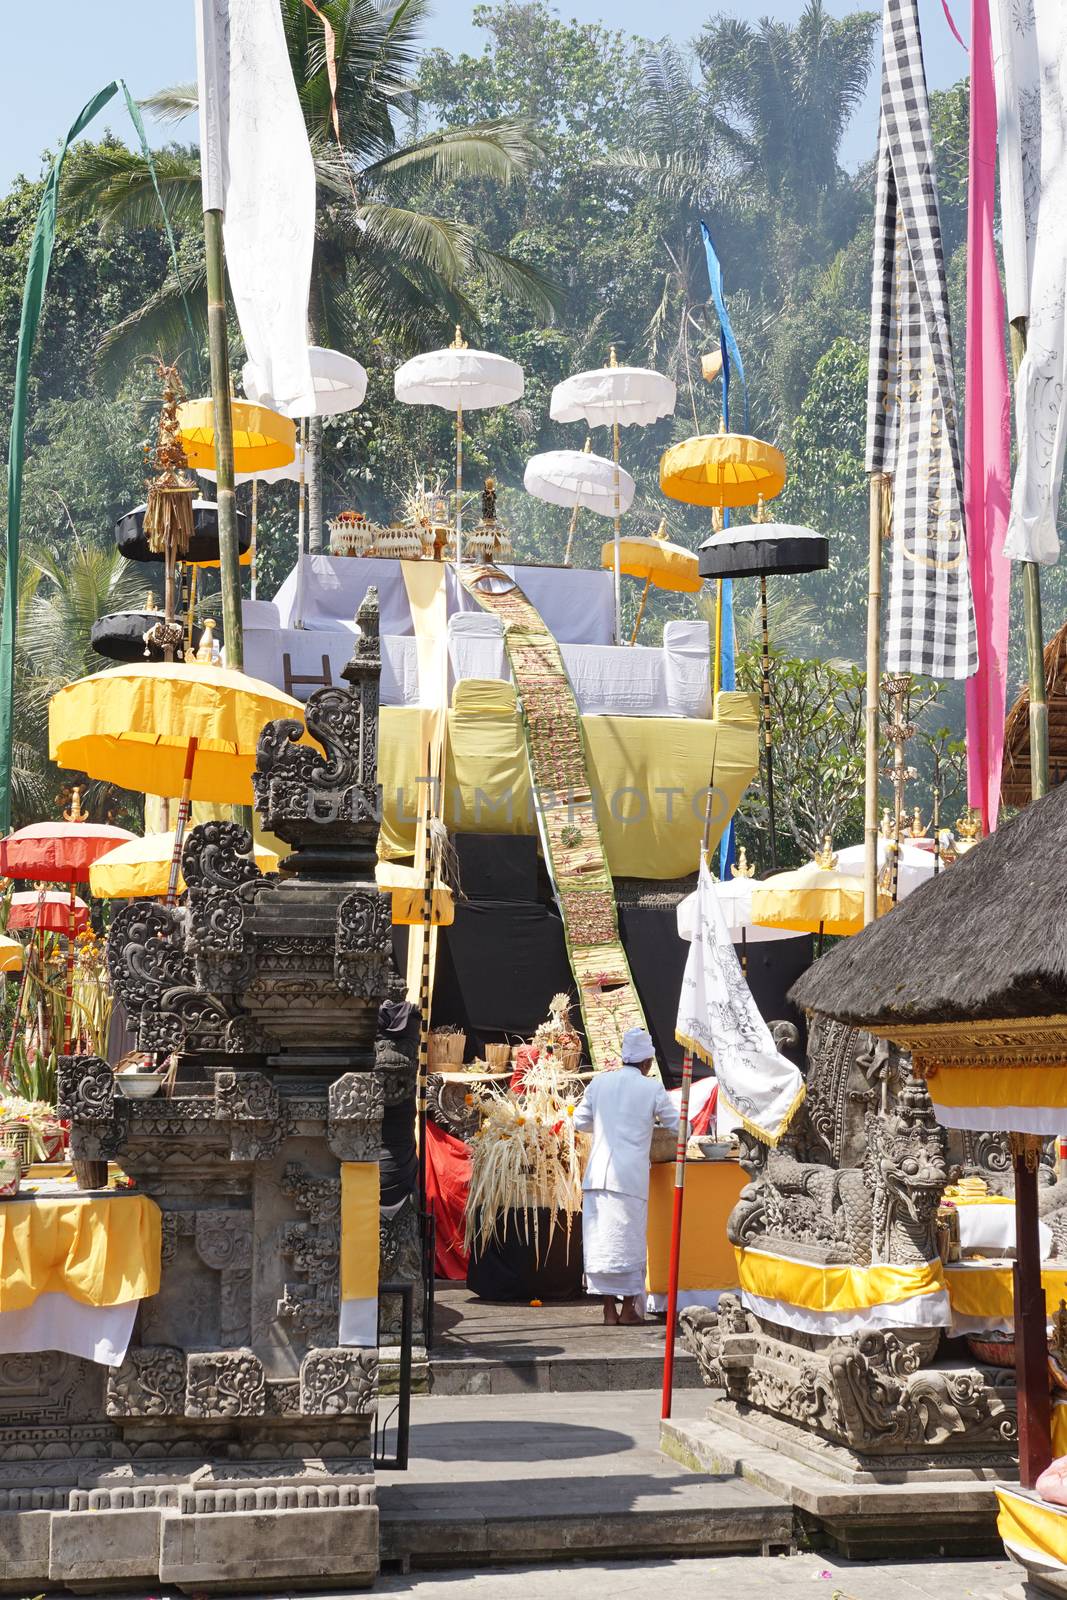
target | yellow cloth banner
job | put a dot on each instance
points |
(1026, 1524)
(706, 1260)
(837, 1288)
(424, 582)
(360, 1226)
(1006, 1085)
(649, 775)
(986, 1291)
(100, 1252)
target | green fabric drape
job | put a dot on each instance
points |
(44, 236)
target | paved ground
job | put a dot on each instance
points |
(465, 1326)
(801, 1577)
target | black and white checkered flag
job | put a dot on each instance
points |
(911, 392)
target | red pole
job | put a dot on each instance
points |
(179, 828)
(676, 1233)
(68, 1005)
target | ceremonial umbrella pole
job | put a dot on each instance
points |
(61, 852)
(580, 480)
(1035, 647)
(459, 379)
(615, 397)
(660, 563)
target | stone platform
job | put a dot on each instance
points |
(553, 1477)
(485, 1348)
(934, 1512)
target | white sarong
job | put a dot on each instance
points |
(614, 1242)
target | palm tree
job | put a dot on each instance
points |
(59, 600)
(782, 97)
(384, 267)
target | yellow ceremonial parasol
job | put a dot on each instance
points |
(408, 893)
(10, 954)
(815, 898)
(722, 469)
(261, 438)
(140, 870)
(660, 563)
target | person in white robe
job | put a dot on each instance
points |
(620, 1110)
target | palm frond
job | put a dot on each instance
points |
(173, 105)
(113, 186)
(500, 151)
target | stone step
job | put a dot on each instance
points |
(509, 1373)
(535, 1477)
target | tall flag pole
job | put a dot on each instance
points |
(913, 450)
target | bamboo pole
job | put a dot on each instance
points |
(874, 652)
(68, 993)
(1035, 636)
(641, 610)
(184, 805)
(218, 347)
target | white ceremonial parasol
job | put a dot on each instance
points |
(576, 479)
(339, 382)
(615, 397)
(913, 868)
(292, 472)
(735, 898)
(459, 379)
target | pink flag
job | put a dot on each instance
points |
(986, 441)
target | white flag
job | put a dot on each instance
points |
(1030, 65)
(718, 1021)
(256, 168)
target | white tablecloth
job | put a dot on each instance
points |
(56, 1322)
(578, 605)
(608, 680)
(991, 1229)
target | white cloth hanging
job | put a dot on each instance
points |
(256, 168)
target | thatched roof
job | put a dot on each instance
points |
(986, 938)
(1015, 783)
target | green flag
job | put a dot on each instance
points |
(44, 237)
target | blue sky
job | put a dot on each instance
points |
(60, 53)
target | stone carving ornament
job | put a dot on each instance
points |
(225, 1383)
(86, 1099)
(354, 1126)
(338, 1383)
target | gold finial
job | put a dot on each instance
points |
(613, 359)
(716, 519)
(661, 531)
(825, 857)
(918, 827)
(761, 509)
(587, 448)
(75, 813)
(741, 867)
(887, 829)
(968, 831)
(459, 342)
(206, 650)
(150, 601)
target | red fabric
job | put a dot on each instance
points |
(525, 1057)
(448, 1176)
(49, 911)
(58, 852)
(704, 1121)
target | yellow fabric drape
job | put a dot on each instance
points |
(1025, 1524)
(360, 1198)
(837, 1288)
(1030, 1086)
(707, 1257)
(141, 868)
(100, 1252)
(650, 776)
(986, 1291)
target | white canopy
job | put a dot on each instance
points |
(735, 897)
(454, 377)
(340, 384)
(289, 473)
(573, 477)
(606, 395)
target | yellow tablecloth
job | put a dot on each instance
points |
(650, 776)
(1033, 1529)
(985, 1289)
(834, 1288)
(99, 1250)
(707, 1256)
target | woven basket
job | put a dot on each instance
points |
(447, 1049)
(17, 1135)
(572, 1057)
(498, 1057)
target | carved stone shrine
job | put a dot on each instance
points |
(236, 1397)
(857, 1180)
